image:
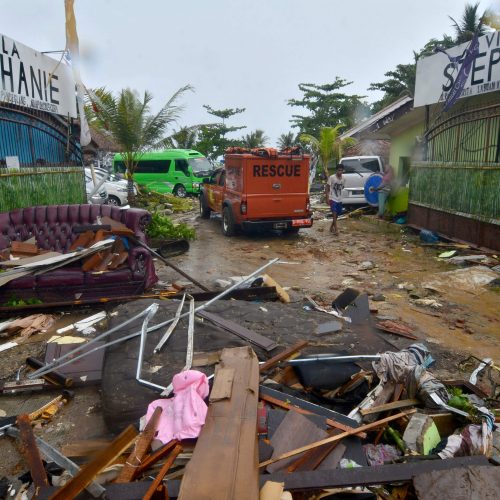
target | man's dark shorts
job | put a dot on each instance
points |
(336, 207)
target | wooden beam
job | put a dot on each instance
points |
(87, 473)
(225, 460)
(287, 406)
(366, 476)
(394, 405)
(289, 402)
(163, 471)
(154, 457)
(338, 437)
(238, 330)
(29, 449)
(287, 353)
(141, 447)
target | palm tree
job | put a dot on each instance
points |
(329, 146)
(468, 24)
(287, 140)
(184, 138)
(128, 119)
(255, 139)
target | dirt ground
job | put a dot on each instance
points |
(314, 263)
(319, 264)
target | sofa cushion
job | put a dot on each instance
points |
(62, 277)
(118, 276)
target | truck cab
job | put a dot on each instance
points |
(262, 189)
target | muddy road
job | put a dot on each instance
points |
(385, 260)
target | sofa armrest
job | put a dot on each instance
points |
(137, 220)
(139, 259)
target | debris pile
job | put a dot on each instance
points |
(234, 411)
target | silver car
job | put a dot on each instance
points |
(98, 198)
(357, 169)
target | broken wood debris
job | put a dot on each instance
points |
(286, 354)
(78, 483)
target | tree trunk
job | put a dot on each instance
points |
(130, 190)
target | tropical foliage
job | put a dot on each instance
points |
(328, 106)
(468, 24)
(287, 140)
(256, 139)
(128, 118)
(212, 139)
(328, 146)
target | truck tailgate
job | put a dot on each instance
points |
(276, 205)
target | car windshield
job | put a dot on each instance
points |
(200, 165)
(361, 165)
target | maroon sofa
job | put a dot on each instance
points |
(53, 228)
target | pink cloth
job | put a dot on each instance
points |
(183, 415)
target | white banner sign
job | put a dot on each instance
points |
(31, 79)
(436, 74)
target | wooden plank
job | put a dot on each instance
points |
(366, 476)
(293, 401)
(156, 456)
(337, 437)
(87, 473)
(30, 452)
(205, 358)
(287, 406)
(287, 353)
(21, 247)
(86, 448)
(141, 447)
(223, 384)
(313, 458)
(282, 294)
(225, 460)
(394, 405)
(295, 430)
(163, 471)
(238, 330)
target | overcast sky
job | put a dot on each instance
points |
(236, 53)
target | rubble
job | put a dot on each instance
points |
(328, 395)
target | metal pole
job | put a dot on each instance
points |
(50, 366)
(335, 359)
(95, 489)
(142, 344)
(171, 328)
(55, 363)
(189, 350)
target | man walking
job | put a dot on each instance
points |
(335, 185)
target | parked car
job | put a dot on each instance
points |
(98, 198)
(116, 188)
(357, 169)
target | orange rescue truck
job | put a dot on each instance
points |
(259, 188)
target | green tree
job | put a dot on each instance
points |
(287, 140)
(127, 117)
(256, 139)
(328, 146)
(212, 138)
(184, 138)
(468, 24)
(328, 106)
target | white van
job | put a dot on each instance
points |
(356, 170)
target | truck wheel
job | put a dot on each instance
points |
(180, 191)
(228, 225)
(205, 210)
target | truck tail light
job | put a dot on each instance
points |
(308, 204)
(243, 207)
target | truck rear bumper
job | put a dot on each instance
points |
(277, 223)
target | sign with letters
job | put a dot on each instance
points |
(436, 74)
(31, 79)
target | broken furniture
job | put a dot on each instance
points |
(53, 230)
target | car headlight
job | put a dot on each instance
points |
(196, 185)
(122, 190)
